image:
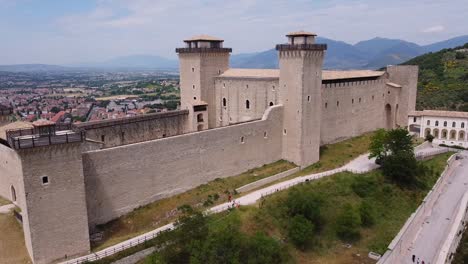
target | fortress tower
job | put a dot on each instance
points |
(54, 215)
(202, 59)
(300, 81)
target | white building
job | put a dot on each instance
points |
(447, 127)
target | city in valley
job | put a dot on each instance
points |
(71, 97)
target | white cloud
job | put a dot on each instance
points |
(434, 29)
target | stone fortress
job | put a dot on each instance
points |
(66, 180)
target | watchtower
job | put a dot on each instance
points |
(202, 59)
(55, 220)
(300, 63)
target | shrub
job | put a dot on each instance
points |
(300, 231)
(367, 213)
(363, 186)
(348, 223)
(263, 249)
(306, 204)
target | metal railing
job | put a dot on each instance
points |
(32, 141)
(118, 248)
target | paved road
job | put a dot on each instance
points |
(438, 221)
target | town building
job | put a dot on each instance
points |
(447, 127)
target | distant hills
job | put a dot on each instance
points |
(443, 76)
(369, 54)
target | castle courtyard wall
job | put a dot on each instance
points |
(123, 178)
(236, 91)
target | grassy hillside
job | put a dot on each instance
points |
(443, 79)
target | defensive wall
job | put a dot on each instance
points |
(123, 178)
(121, 131)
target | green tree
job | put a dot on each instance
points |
(399, 141)
(378, 148)
(401, 168)
(55, 109)
(348, 223)
(429, 137)
(300, 231)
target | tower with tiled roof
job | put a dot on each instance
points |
(201, 60)
(300, 81)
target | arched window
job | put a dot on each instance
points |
(445, 123)
(359, 100)
(271, 104)
(352, 101)
(461, 136)
(13, 193)
(337, 103)
(454, 124)
(428, 122)
(247, 104)
(242, 140)
(437, 123)
(224, 101)
(463, 125)
(326, 105)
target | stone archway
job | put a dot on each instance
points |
(388, 117)
(461, 136)
(444, 134)
(453, 135)
(436, 133)
(427, 132)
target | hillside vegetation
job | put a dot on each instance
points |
(309, 223)
(443, 79)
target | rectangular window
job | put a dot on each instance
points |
(45, 180)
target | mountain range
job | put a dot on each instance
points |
(369, 54)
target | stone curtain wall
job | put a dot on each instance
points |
(136, 129)
(347, 118)
(123, 178)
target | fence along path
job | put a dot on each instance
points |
(359, 165)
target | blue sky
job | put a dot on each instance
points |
(74, 31)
